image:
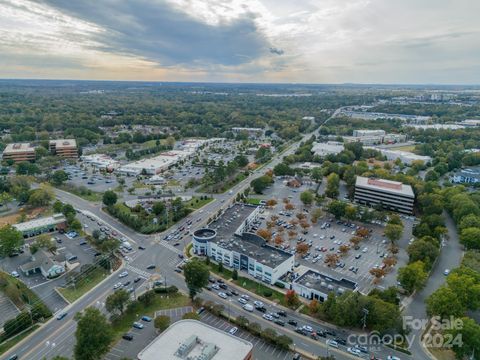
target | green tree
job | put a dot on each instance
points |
(306, 197)
(412, 276)
(393, 232)
(424, 251)
(26, 168)
(333, 183)
(41, 196)
(283, 169)
(109, 198)
(337, 208)
(470, 237)
(10, 240)
(196, 276)
(5, 199)
(235, 274)
(116, 302)
(158, 208)
(444, 302)
(59, 177)
(261, 183)
(469, 333)
(94, 335)
(161, 322)
(317, 176)
(350, 212)
(469, 221)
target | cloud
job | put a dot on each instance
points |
(276, 51)
(160, 32)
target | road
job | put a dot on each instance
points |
(56, 337)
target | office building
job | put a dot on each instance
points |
(467, 176)
(155, 165)
(314, 285)
(194, 340)
(328, 148)
(391, 195)
(251, 132)
(18, 152)
(230, 240)
(42, 225)
(362, 133)
(66, 148)
(405, 157)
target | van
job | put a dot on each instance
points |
(248, 307)
(126, 245)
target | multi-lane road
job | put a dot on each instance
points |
(56, 337)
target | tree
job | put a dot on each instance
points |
(196, 276)
(470, 238)
(317, 176)
(424, 251)
(278, 240)
(393, 232)
(27, 168)
(291, 298)
(161, 322)
(235, 274)
(315, 214)
(377, 273)
(302, 249)
(283, 169)
(109, 198)
(306, 197)
(333, 183)
(331, 259)
(5, 199)
(94, 335)
(59, 177)
(337, 208)
(444, 302)
(469, 221)
(158, 208)
(265, 233)
(362, 232)
(344, 249)
(412, 276)
(289, 206)
(44, 241)
(41, 196)
(271, 202)
(261, 183)
(389, 262)
(350, 212)
(469, 334)
(117, 301)
(10, 240)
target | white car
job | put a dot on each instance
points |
(246, 297)
(307, 328)
(242, 301)
(268, 317)
(365, 250)
(215, 287)
(322, 237)
(233, 331)
(248, 307)
(354, 351)
(446, 272)
(15, 274)
(123, 274)
(332, 343)
(222, 295)
(391, 357)
(258, 303)
(117, 285)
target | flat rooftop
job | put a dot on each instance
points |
(18, 147)
(164, 159)
(60, 143)
(166, 345)
(46, 221)
(325, 282)
(388, 186)
(249, 244)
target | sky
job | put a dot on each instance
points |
(291, 41)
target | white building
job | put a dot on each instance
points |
(228, 240)
(100, 161)
(375, 115)
(374, 137)
(155, 180)
(436, 126)
(361, 133)
(155, 165)
(252, 132)
(404, 156)
(391, 195)
(314, 285)
(330, 147)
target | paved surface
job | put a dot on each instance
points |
(175, 314)
(8, 310)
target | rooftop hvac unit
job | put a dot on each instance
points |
(330, 287)
(323, 283)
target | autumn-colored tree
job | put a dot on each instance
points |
(280, 229)
(344, 249)
(331, 259)
(314, 306)
(393, 249)
(265, 233)
(274, 218)
(293, 222)
(390, 261)
(304, 224)
(289, 206)
(300, 216)
(292, 234)
(269, 173)
(316, 214)
(270, 224)
(302, 249)
(271, 202)
(362, 232)
(355, 240)
(291, 298)
(377, 273)
(286, 200)
(278, 239)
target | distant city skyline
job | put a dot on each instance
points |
(328, 41)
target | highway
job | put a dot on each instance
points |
(57, 337)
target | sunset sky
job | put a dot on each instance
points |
(322, 41)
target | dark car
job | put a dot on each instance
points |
(83, 242)
(13, 357)
(126, 283)
(282, 313)
(151, 266)
(330, 332)
(321, 333)
(341, 341)
(223, 286)
(178, 270)
(234, 292)
(201, 310)
(211, 279)
(292, 322)
(127, 336)
(137, 279)
(300, 331)
(280, 322)
(261, 309)
(220, 281)
(141, 247)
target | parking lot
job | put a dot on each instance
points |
(261, 349)
(8, 310)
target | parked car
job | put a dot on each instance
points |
(127, 336)
(123, 274)
(138, 325)
(61, 315)
(332, 343)
(146, 318)
(233, 331)
(151, 266)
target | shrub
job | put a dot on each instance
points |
(161, 322)
(280, 285)
(166, 290)
(191, 315)
(267, 293)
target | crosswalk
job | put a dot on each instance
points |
(170, 247)
(138, 271)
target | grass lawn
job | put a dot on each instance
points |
(226, 185)
(253, 201)
(408, 148)
(442, 354)
(83, 192)
(7, 345)
(173, 182)
(194, 204)
(85, 285)
(124, 323)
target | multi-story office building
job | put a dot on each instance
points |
(192, 339)
(228, 240)
(66, 148)
(391, 195)
(18, 152)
